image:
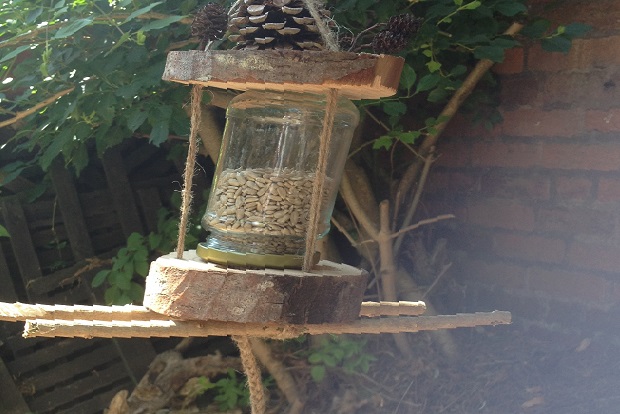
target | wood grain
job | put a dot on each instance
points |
(356, 76)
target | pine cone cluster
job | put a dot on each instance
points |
(396, 34)
(275, 24)
(210, 23)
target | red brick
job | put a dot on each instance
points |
(575, 156)
(573, 188)
(454, 182)
(595, 256)
(594, 89)
(461, 127)
(608, 189)
(496, 153)
(514, 62)
(603, 121)
(602, 15)
(529, 247)
(568, 285)
(499, 183)
(454, 153)
(501, 213)
(521, 90)
(585, 54)
(504, 275)
(575, 220)
(527, 122)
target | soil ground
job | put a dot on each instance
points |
(498, 370)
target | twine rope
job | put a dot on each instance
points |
(188, 176)
(252, 372)
(326, 33)
(319, 179)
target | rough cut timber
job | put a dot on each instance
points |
(356, 76)
(192, 289)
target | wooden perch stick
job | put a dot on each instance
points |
(13, 312)
(166, 329)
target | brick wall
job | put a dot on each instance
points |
(538, 198)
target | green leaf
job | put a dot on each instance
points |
(471, 6)
(510, 8)
(136, 118)
(536, 29)
(140, 38)
(136, 293)
(141, 267)
(15, 52)
(100, 277)
(433, 66)
(409, 137)
(4, 232)
(556, 44)
(317, 373)
(141, 11)
(315, 358)
(161, 23)
(407, 78)
(458, 70)
(395, 108)
(125, 37)
(111, 295)
(135, 241)
(73, 27)
(384, 142)
(576, 30)
(155, 240)
(428, 82)
(493, 53)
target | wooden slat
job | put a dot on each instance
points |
(95, 404)
(137, 354)
(77, 389)
(71, 211)
(150, 203)
(68, 370)
(121, 192)
(11, 400)
(7, 293)
(15, 223)
(50, 354)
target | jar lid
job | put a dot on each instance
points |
(273, 261)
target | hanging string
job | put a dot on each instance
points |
(319, 180)
(188, 176)
(326, 33)
(252, 372)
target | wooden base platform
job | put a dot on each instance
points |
(192, 289)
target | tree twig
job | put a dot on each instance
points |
(422, 223)
(446, 115)
(42, 104)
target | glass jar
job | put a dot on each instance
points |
(258, 209)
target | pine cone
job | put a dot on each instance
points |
(210, 22)
(406, 24)
(275, 24)
(389, 42)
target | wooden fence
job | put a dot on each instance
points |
(57, 244)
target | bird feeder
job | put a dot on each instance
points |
(283, 152)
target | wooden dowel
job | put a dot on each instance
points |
(13, 312)
(145, 329)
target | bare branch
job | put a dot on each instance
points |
(42, 104)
